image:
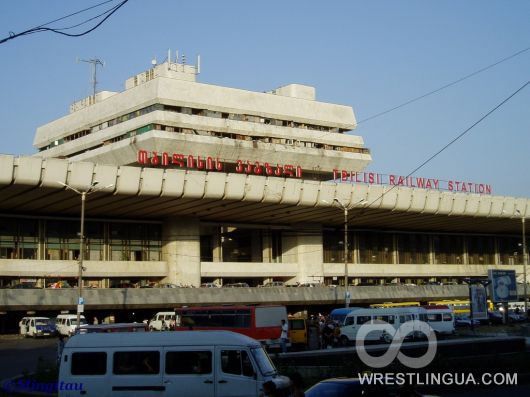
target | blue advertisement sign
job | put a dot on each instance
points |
(503, 285)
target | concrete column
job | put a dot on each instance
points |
(256, 246)
(266, 244)
(309, 252)
(41, 246)
(181, 250)
(216, 245)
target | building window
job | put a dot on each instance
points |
(481, 250)
(376, 247)
(510, 251)
(413, 248)
(448, 249)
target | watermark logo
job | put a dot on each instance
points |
(386, 330)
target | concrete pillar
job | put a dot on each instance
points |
(181, 250)
(216, 245)
(309, 253)
(256, 246)
(266, 250)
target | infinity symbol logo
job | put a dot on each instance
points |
(405, 329)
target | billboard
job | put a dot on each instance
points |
(478, 302)
(503, 285)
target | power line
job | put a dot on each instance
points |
(444, 86)
(454, 140)
(42, 28)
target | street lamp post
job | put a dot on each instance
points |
(524, 260)
(346, 276)
(83, 195)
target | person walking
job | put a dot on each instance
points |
(284, 337)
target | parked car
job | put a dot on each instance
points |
(209, 285)
(310, 284)
(168, 285)
(465, 321)
(236, 285)
(350, 387)
(273, 284)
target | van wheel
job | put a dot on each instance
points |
(344, 341)
(387, 338)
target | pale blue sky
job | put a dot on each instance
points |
(371, 55)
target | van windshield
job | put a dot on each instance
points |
(264, 362)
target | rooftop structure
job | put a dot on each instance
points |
(165, 117)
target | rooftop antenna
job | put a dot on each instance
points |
(183, 59)
(95, 62)
(198, 64)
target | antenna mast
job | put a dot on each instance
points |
(95, 62)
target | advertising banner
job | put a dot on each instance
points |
(478, 302)
(503, 285)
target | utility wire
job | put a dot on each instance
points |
(443, 87)
(42, 28)
(454, 140)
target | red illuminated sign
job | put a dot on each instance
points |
(374, 178)
(214, 164)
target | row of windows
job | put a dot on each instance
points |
(213, 114)
(193, 362)
(59, 240)
(401, 248)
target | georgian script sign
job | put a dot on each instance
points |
(374, 178)
(208, 163)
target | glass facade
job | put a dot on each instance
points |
(413, 249)
(19, 239)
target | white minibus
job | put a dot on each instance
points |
(161, 321)
(187, 363)
(67, 323)
(395, 316)
(441, 319)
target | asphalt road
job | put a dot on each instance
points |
(18, 354)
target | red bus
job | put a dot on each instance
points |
(262, 323)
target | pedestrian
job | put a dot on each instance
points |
(297, 385)
(269, 388)
(284, 337)
(60, 347)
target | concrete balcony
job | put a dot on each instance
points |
(68, 269)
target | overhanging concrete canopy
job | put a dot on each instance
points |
(30, 186)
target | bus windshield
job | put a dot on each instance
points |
(264, 362)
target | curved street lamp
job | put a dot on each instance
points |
(346, 208)
(524, 261)
(83, 194)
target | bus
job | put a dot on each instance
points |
(459, 306)
(394, 316)
(262, 323)
(114, 327)
(394, 304)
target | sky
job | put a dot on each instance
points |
(371, 55)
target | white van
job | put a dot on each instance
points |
(441, 319)
(67, 323)
(36, 326)
(186, 363)
(395, 316)
(161, 321)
